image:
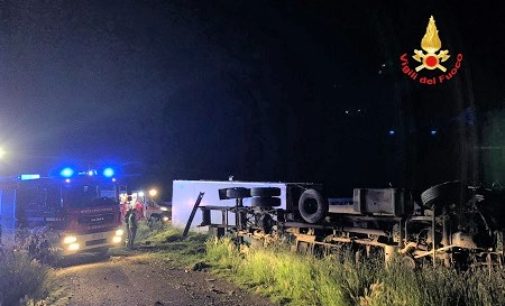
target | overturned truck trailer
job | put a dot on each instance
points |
(450, 224)
(185, 194)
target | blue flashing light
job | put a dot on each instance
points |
(108, 172)
(391, 132)
(67, 172)
(27, 177)
(91, 172)
(433, 132)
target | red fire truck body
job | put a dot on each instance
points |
(73, 214)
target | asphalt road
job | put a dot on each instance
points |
(142, 280)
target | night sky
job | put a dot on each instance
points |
(262, 90)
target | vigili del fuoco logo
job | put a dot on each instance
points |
(431, 58)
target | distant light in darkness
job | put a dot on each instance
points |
(392, 132)
(433, 132)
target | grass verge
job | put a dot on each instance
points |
(295, 279)
(167, 242)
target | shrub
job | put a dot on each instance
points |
(20, 276)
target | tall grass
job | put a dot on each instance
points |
(167, 242)
(20, 276)
(296, 279)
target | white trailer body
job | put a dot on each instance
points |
(185, 193)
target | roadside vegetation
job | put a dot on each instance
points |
(337, 280)
(26, 277)
(167, 243)
(21, 278)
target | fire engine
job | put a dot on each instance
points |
(74, 212)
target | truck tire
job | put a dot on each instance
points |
(313, 207)
(445, 194)
(265, 202)
(238, 193)
(265, 192)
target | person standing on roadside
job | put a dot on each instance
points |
(127, 223)
(132, 227)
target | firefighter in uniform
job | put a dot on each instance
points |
(131, 226)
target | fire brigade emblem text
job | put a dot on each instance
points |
(431, 58)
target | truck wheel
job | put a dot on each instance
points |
(265, 202)
(238, 192)
(312, 206)
(446, 193)
(265, 192)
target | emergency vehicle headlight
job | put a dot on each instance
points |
(116, 239)
(119, 232)
(162, 208)
(69, 239)
(73, 247)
